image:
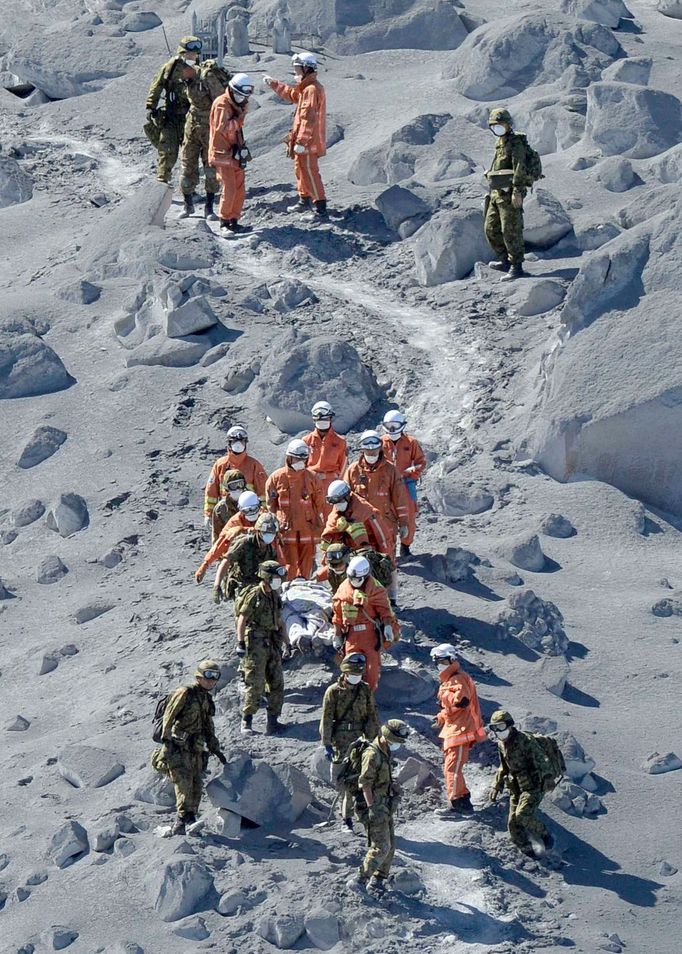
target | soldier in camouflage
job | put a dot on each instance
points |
(188, 736)
(348, 712)
(248, 551)
(165, 126)
(333, 571)
(377, 787)
(209, 82)
(261, 636)
(507, 177)
(521, 769)
(232, 486)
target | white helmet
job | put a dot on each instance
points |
(444, 651)
(322, 410)
(242, 84)
(248, 503)
(307, 60)
(358, 567)
(237, 433)
(298, 448)
(394, 422)
(337, 490)
(370, 440)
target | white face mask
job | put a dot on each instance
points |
(394, 746)
(341, 506)
(323, 425)
(442, 666)
(276, 583)
(502, 735)
(267, 537)
(298, 465)
(353, 678)
(498, 129)
(356, 581)
(190, 61)
(395, 437)
(239, 98)
(236, 494)
(251, 517)
(237, 447)
(371, 458)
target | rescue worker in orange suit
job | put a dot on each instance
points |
(328, 450)
(353, 521)
(293, 494)
(378, 481)
(405, 453)
(460, 723)
(235, 459)
(248, 510)
(227, 151)
(363, 619)
(308, 136)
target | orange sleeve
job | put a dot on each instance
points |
(212, 492)
(399, 498)
(271, 495)
(218, 551)
(308, 113)
(418, 462)
(259, 480)
(343, 456)
(289, 94)
(322, 574)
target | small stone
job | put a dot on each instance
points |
(322, 928)
(408, 882)
(556, 525)
(40, 877)
(667, 870)
(111, 559)
(18, 724)
(44, 442)
(22, 894)
(68, 843)
(49, 664)
(194, 929)
(50, 570)
(86, 766)
(124, 847)
(282, 930)
(28, 513)
(230, 902)
(657, 764)
(68, 515)
(524, 552)
(58, 938)
(105, 838)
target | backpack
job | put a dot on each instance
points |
(159, 712)
(351, 766)
(380, 565)
(220, 73)
(549, 760)
(533, 162)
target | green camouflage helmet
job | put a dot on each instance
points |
(207, 669)
(501, 716)
(354, 662)
(232, 480)
(267, 523)
(499, 115)
(395, 730)
(337, 553)
(269, 569)
(189, 44)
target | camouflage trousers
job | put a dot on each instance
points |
(381, 838)
(504, 228)
(340, 742)
(194, 148)
(185, 768)
(523, 820)
(170, 140)
(262, 667)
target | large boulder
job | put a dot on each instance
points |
(180, 888)
(68, 515)
(297, 371)
(552, 124)
(524, 551)
(545, 221)
(395, 160)
(28, 366)
(86, 766)
(43, 443)
(264, 794)
(15, 184)
(68, 843)
(616, 174)
(535, 622)
(670, 8)
(190, 318)
(164, 352)
(50, 570)
(505, 57)
(449, 245)
(155, 789)
(632, 121)
(402, 210)
(635, 69)
(607, 12)
(140, 21)
(404, 684)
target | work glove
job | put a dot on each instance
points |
(328, 752)
(221, 758)
(493, 794)
(268, 81)
(217, 595)
(341, 524)
(199, 575)
(403, 532)
(337, 642)
(152, 114)
(299, 149)
(388, 632)
(517, 199)
(241, 649)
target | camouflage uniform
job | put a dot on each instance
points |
(347, 713)
(201, 91)
(334, 579)
(188, 733)
(504, 223)
(378, 821)
(519, 769)
(221, 513)
(262, 664)
(245, 554)
(171, 122)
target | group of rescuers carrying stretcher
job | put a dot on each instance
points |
(369, 508)
(203, 113)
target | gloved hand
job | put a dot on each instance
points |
(241, 649)
(375, 812)
(337, 642)
(152, 114)
(221, 758)
(328, 752)
(268, 81)
(286, 652)
(517, 199)
(341, 524)
(388, 632)
(207, 520)
(199, 575)
(403, 532)
(217, 595)
(299, 149)
(493, 793)
(435, 724)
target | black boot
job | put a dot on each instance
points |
(515, 271)
(189, 206)
(274, 726)
(178, 826)
(247, 725)
(502, 266)
(405, 550)
(303, 204)
(225, 224)
(208, 206)
(463, 805)
(320, 209)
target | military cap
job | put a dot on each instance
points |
(233, 477)
(337, 552)
(499, 115)
(267, 522)
(354, 662)
(395, 730)
(501, 715)
(189, 44)
(207, 669)
(269, 568)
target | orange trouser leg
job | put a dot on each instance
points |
(290, 548)
(455, 760)
(308, 180)
(365, 642)
(234, 191)
(306, 556)
(412, 511)
(299, 553)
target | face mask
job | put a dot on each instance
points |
(298, 465)
(236, 494)
(396, 437)
(356, 581)
(498, 129)
(237, 447)
(394, 746)
(275, 584)
(341, 506)
(502, 735)
(371, 458)
(354, 678)
(190, 61)
(323, 425)
(251, 517)
(238, 97)
(267, 537)
(442, 666)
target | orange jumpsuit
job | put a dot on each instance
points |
(461, 727)
(363, 527)
(409, 460)
(381, 485)
(309, 129)
(328, 456)
(233, 528)
(252, 471)
(294, 496)
(226, 122)
(355, 611)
